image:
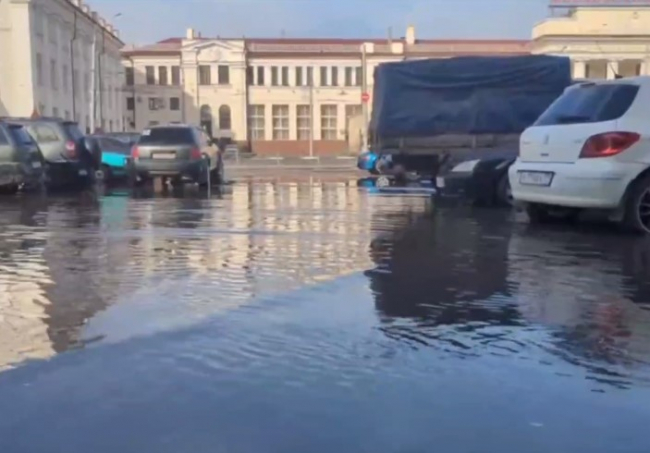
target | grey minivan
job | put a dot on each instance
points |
(177, 152)
(62, 144)
(21, 162)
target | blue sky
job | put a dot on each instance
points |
(145, 21)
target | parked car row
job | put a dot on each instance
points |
(54, 153)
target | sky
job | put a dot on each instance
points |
(147, 21)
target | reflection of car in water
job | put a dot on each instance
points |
(435, 267)
(592, 290)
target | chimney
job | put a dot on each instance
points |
(410, 35)
(190, 34)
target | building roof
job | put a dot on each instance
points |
(270, 47)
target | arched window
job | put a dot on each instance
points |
(225, 123)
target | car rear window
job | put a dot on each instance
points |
(167, 135)
(112, 145)
(20, 135)
(590, 103)
(73, 131)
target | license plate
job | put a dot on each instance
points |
(83, 173)
(171, 155)
(535, 178)
(440, 182)
(36, 164)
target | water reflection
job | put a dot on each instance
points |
(474, 285)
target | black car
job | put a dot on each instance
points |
(179, 153)
(21, 162)
(67, 158)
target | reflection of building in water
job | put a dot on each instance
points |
(23, 276)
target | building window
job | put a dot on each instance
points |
(260, 76)
(274, 76)
(280, 116)
(64, 78)
(335, 76)
(223, 75)
(285, 76)
(225, 123)
(162, 75)
(130, 103)
(205, 75)
(174, 103)
(328, 117)
(250, 75)
(359, 76)
(151, 76)
(130, 76)
(39, 69)
(176, 75)
(299, 77)
(303, 115)
(156, 104)
(323, 76)
(256, 122)
(310, 76)
(348, 77)
(53, 75)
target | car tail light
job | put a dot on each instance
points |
(71, 149)
(608, 144)
(196, 154)
(135, 152)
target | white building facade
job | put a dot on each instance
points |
(275, 96)
(47, 50)
(602, 41)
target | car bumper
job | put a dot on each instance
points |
(20, 174)
(61, 173)
(476, 186)
(588, 183)
(192, 170)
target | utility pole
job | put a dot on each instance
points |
(93, 81)
(311, 114)
(364, 106)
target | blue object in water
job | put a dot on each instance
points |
(367, 161)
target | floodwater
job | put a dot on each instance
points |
(308, 314)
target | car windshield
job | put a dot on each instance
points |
(590, 103)
(166, 135)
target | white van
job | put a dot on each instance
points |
(589, 149)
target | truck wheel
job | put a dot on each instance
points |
(636, 217)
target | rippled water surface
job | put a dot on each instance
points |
(305, 313)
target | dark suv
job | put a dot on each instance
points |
(68, 159)
(178, 152)
(21, 162)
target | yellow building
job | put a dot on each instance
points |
(258, 91)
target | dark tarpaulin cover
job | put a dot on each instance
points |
(466, 95)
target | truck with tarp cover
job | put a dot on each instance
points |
(429, 115)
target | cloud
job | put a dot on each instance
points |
(145, 21)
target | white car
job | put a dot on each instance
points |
(589, 150)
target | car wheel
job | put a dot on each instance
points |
(504, 192)
(103, 174)
(637, 207)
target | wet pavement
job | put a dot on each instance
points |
(304, 313)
